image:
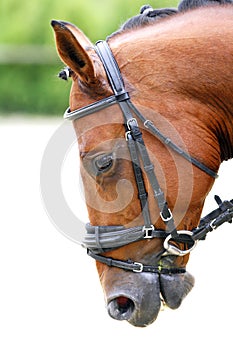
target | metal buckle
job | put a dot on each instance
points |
(127, 134)
(147, 122)
(140, 265)
(131, 120)
(173, 250)
(212, 225)
(166, 219)
(148, 230)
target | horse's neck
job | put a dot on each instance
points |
(188, 65)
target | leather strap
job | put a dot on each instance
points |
(134, 266)
(117, 84)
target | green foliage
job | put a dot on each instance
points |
(28, 21)
(34, 88)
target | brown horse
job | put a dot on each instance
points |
(178, 73)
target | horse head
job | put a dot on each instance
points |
(165, 74)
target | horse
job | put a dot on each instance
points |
(152, 110)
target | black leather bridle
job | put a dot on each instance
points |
(99, 239)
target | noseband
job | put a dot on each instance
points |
(100, 239)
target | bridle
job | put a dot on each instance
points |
(100, 239)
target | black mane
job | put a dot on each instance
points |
(148, 15)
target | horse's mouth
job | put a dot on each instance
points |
(139, 303)
(174, 288)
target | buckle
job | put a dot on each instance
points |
(127, 134)
(212, 224)
(173, 250)
(140, 267)
(169, 217)
(133, 121)
(148, 123)
(148, 231)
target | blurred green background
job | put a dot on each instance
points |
(28, 61)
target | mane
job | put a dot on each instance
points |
(149, 16)
(146, 17)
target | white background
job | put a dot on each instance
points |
(50, 296)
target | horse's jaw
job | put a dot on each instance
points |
(136, 297)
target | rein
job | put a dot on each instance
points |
(99, 239)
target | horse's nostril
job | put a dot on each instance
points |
(121, 308)
(124, 304)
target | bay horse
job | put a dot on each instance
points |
(152, 109)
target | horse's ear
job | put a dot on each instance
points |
(71, 43)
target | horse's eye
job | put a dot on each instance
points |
(102, 163)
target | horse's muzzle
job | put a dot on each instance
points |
(137, 297)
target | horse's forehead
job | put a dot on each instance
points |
(99, 130)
